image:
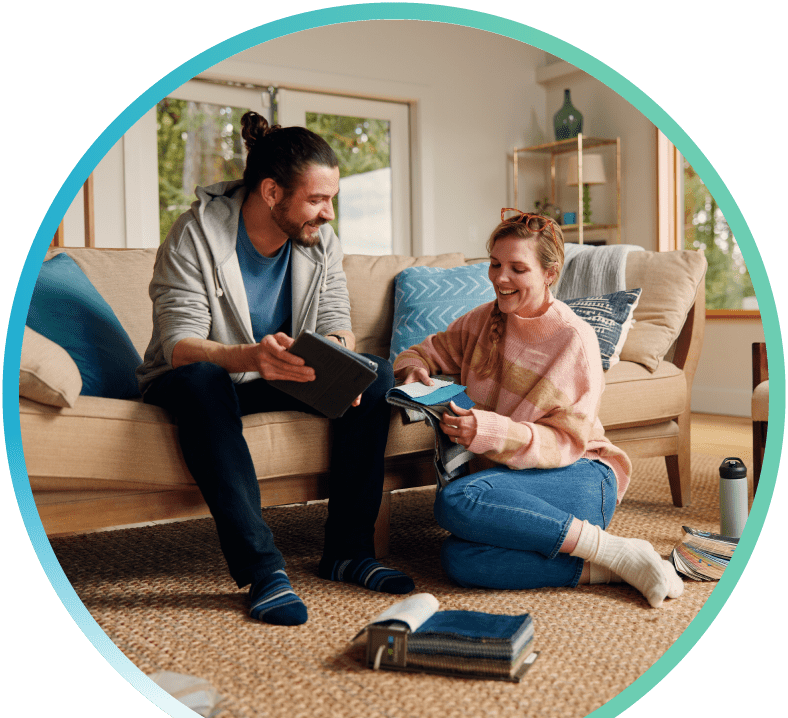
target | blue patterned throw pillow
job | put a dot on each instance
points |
(611, 317)
(428, 299)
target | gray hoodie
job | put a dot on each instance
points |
(197, 289)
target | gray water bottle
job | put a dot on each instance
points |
(733, 497)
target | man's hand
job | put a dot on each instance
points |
(274, 362)
(413, 374)
(462, 428)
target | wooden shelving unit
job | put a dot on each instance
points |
(576, 145)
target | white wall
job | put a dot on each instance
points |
(477, 95)
(125, 184)
(607, 115)
(723, 382)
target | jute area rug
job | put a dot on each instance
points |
(163, 596)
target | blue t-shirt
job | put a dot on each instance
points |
(267, 284)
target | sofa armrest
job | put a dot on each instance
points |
(690, 340)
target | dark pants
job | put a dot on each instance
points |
(207, 408)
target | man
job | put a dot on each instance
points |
(251, 265)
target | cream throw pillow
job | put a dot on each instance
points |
(670, 282)
(47, 374)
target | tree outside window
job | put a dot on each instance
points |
(362, 145)
(199, 144)
(728, 284)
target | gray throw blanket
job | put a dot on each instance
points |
(591, 271)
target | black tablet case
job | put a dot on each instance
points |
(340, 375)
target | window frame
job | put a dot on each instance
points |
(670, 210)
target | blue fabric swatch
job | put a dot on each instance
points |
(444, 393)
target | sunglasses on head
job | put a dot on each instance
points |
(515, 216)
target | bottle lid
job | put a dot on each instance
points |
(733, 468)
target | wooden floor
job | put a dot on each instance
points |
(722, 436)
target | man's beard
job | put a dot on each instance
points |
(299, 234)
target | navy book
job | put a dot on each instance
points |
(413, 635)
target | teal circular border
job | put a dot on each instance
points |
(392, 11)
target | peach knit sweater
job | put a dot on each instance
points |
(540, 411)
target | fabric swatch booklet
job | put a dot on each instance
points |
(413, 635)
(703, 556)
(432, 401)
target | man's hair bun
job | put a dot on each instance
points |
(254, 127)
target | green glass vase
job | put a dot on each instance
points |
(568, 121)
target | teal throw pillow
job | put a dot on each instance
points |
(611, 317)
(428, 299)
(67, 309)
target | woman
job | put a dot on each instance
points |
(534, 371)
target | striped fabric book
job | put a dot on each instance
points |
(413, 635)
(472, 634)
(703, 556)
(450, 459)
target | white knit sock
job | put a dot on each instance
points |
(634, 560)
(600, 574)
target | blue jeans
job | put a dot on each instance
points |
(508, 525)
(207, 408)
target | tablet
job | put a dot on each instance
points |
(340, 375)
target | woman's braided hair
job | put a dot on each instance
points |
(281, 153)
(550, 252)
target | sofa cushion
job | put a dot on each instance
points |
(611, 317)
(67, 309)
(670, 282)
(47, 373)
(370, 282)
(131, 445)
(635, 395)
(428, 299)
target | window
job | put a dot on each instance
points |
(728, 284)
(371, 140)
(199, 143)
(689, 217)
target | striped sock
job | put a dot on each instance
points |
(274, 601)
(367, 572)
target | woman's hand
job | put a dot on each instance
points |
(460, 428)
(416, 373)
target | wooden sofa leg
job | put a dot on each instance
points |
(759, 429)
(679, 477)
(679, 465)
(382, 526)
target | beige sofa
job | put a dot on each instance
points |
(96, 462)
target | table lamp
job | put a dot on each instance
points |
(593, 173)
